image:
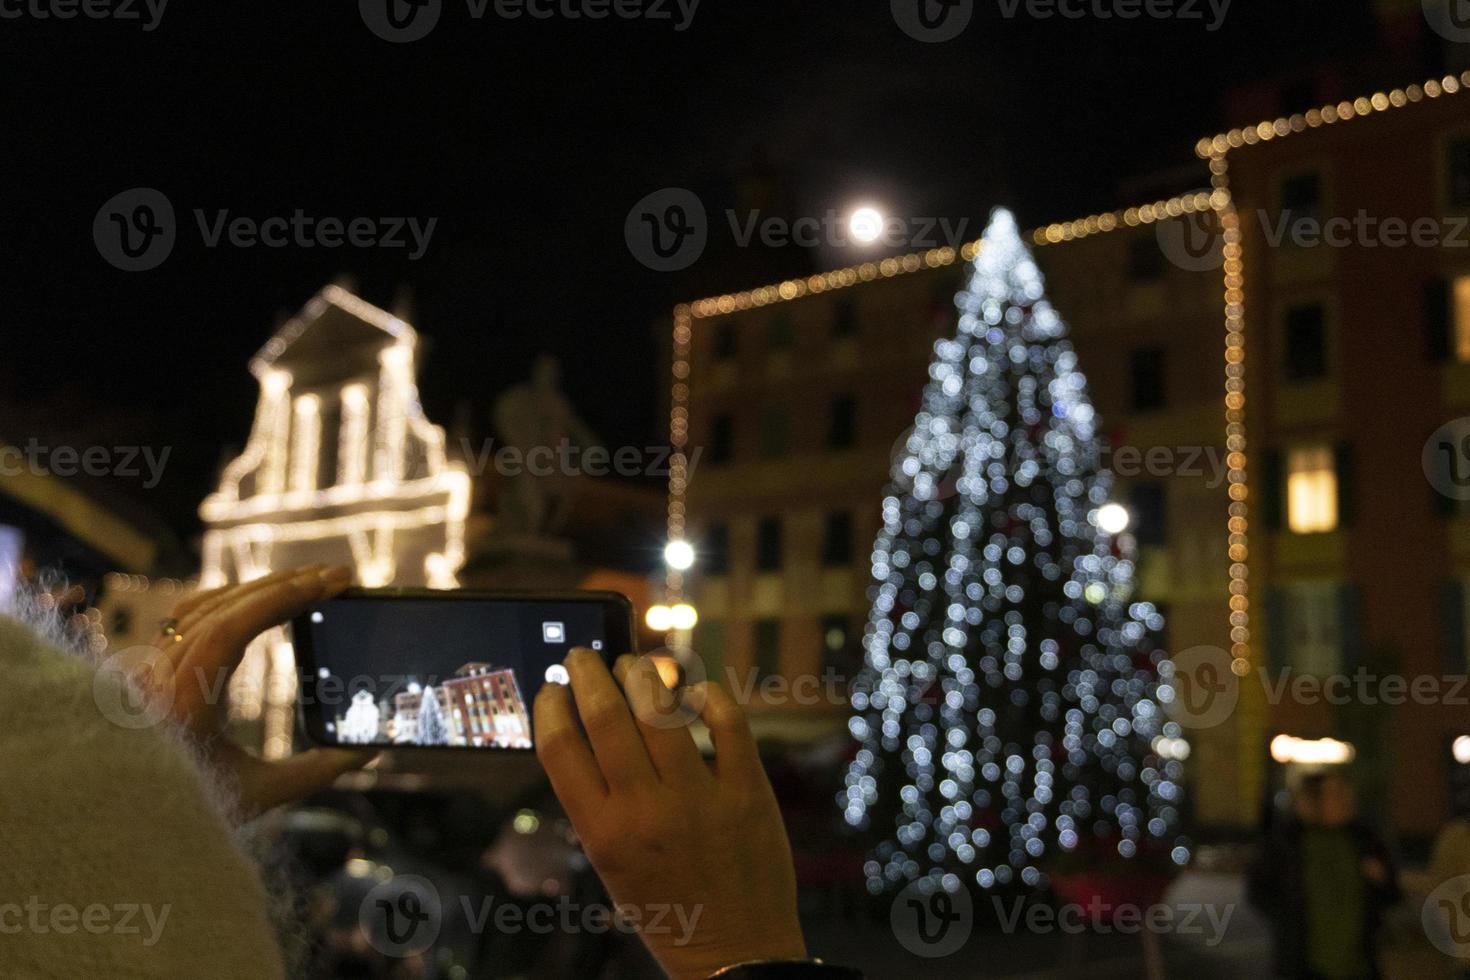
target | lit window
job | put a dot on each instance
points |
(1462, 319)
(1311, 490)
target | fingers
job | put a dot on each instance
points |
(663, 727)
(193, 610)
(216, 642)
(610, 728)
(267, 784)
(565, 754)
(736, 757)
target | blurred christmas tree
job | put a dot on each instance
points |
(432, 730)
(1010, 701)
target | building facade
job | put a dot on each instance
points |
(1357, 314)
(798, 406)
(1319, 577)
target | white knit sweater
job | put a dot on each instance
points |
(116, 857)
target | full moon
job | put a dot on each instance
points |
(865, 225)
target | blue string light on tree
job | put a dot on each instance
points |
(1011, 698)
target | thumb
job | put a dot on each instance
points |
(301, 775)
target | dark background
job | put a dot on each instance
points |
(530, 140)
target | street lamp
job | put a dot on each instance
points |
(679, 555)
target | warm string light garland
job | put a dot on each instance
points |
(1009, 674)
(1211, 147)
(685, 314)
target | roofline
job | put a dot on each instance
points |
(938, 258)
(1271, 129)
(329, 295)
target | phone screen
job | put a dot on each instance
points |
(443, 670)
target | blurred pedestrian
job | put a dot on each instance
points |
(1451, 859)
(1324, 880)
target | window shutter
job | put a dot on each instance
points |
(1278, 637)
(1437, 332)
(1452, 626)
(1350, 626)
(1347, 491)
(1271, 490)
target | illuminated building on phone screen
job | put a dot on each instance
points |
(479, 707)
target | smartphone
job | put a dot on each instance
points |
(420, 668)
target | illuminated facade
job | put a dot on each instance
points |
(1342, 570)
(482, 705)
(341, 466)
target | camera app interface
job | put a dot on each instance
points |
(448, 673)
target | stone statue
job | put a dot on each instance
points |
(538, 423)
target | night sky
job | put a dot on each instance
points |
(529, 141)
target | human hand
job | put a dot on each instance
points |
(662, 826)
(208, 636)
